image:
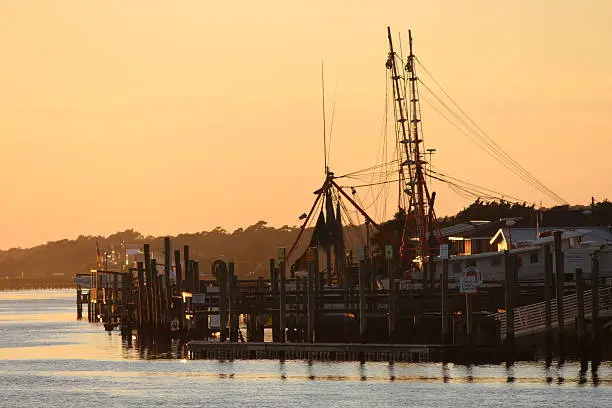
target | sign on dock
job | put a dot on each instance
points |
(388, 252)
(470, 280)
(443, 251)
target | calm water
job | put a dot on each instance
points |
(48, 359)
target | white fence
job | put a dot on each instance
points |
(532, 318)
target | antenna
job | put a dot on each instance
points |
(324, 124)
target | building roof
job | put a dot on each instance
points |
(463, 229)
(529, 236)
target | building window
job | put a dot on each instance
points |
(534, 257)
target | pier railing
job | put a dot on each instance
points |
(532, 318)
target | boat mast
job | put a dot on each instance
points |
(419, 211)
(401, 118)
(421, 198)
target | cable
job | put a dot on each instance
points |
(496, 149)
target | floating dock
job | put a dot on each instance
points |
(415, 353)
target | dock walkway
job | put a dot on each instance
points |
(343, 352)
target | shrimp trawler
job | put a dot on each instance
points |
(419, 237)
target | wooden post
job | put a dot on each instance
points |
(273, 283)
(223, 301)
(468, 315)
(560, 279)
(155, 297)
(362, 301)
(391, 300)
(233, 314)
(196, 277)
(444, 294)
(312, 253)
(509, 266)
(167, 269)
(179, 271)
(596, 344)
(142, 294)
(328, 264)
(149, 285)
(260, 310)
(115, 296)
(580, 324)
(298, 307)
(283, 300)
(188, 269)
(161, 302)
(79, 304)
(548, 289)
(305, 303)
(124, 299)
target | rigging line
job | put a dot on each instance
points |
(367, 169)
(475, 192)
(324, 125)
(460, 193)
(474, 187)
(484, 148)
(481, 130)
(369, 174)
(382, 144)
(304, 225)
(354, 227)
(529, 179)
(493, 152)
(481, 194)
(372, 184)
(471, 184)
(331, 126)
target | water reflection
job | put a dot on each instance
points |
(310, 370)
(469, 377)
(149, 347)
(445, 373)
(548, 371)
(560, 367)
(510, 378)
(45, 336)
(391, 371)
(362, 371)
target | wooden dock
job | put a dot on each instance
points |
(354, 320)
(415, 353)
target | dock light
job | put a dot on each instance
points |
(186, 295)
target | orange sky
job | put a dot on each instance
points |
(175, 117)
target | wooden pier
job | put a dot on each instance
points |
(311, 319)
(415, 353)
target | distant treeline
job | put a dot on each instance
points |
(54, 263)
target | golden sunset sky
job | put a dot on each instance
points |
(180, 116)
